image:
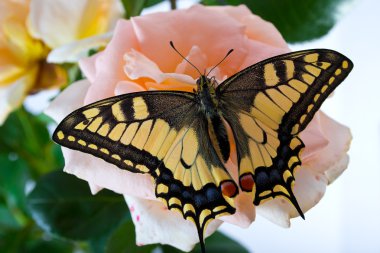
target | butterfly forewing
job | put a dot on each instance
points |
(130, 131)
(267, 105)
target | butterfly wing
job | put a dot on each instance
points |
(267, 105)
(160, 133)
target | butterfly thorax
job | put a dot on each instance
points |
(206, 96)
(208, 107)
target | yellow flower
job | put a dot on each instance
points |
(31, 29)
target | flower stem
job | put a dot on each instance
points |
(173, 4)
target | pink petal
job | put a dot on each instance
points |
(210, 39)
(245, 211)
(154, 223)
(138, 65)
(256, 28)
(109, 63)
(88, 66)
(309, 188)
(197, 58)
(124, 87)
(339, 139)
(265, 32)
(258, 51)
(68, 100)
(105, 175)
(314, 138)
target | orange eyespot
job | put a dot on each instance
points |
(247, 182)
(229, 188)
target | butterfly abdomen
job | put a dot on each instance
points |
(219, 137)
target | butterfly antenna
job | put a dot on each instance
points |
(229, 52)
(172, 45)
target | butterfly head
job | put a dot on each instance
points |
(205, 82)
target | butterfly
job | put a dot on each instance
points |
(181, 138)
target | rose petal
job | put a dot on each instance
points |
(245, 211)
(77, 50)
(154, 223)
(309, 188)
(47, 17)
(108, 76)
(339, 138)
(258, 51)
(72, 97)
(337, 169)
(149, 28)
(266, 32)
(105, 175)
(124, 87)
(88, 66)
(56, 12)
(197, 58)
(138, 65)
(11, 96)
(314, 138)
(94, 188)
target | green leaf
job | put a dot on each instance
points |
(63, 205)
(133, 7)
(149, 3)
(219, 242)
(49, 245)
(216, 243)
(25, 137)
(12, 240)
(7, 221)
(13, 178)
(122, 240)
(297, 21)
(98, 245)
(29, 239)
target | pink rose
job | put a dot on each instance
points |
(139, 58)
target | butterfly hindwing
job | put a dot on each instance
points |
(160, 133)
(267, 105)
(192, 178)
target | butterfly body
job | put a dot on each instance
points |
(208, 106)
(181, 138)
